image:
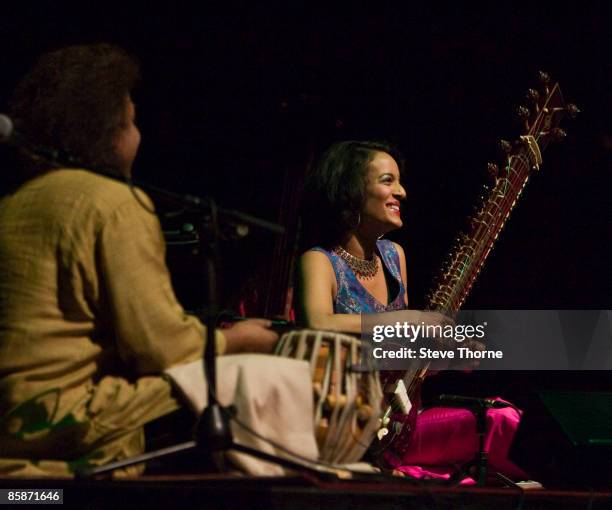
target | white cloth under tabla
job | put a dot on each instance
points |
(272, 395)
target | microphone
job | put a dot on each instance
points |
(460, 401)
(10, 136)
(6, 128)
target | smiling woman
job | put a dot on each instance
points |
(353, 198)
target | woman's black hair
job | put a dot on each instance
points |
(334, 191)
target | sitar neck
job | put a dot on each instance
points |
(523, 157)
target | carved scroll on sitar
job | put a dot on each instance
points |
(523, 156)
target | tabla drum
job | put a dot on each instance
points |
(347, 402)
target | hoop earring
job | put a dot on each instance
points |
(355, 226)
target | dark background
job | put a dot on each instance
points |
(233, 98)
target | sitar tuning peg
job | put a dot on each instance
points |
(558, 135)
(463, 238)
(505, 146)
(572, 110)
(544, 78)
(522, 112)
(492, 170)
(522, 116)
(533, 96)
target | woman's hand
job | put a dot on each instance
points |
(251, 335)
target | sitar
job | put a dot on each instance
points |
(523, 157)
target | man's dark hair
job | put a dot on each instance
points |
(74, 100)
(334, 190)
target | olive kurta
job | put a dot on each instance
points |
(87, 317)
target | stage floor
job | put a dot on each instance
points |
(227, 491)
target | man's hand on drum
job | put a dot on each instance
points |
(251, 335)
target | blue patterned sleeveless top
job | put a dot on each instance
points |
(352, 297)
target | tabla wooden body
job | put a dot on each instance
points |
(346, 402)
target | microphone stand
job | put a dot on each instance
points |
(480, 462)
